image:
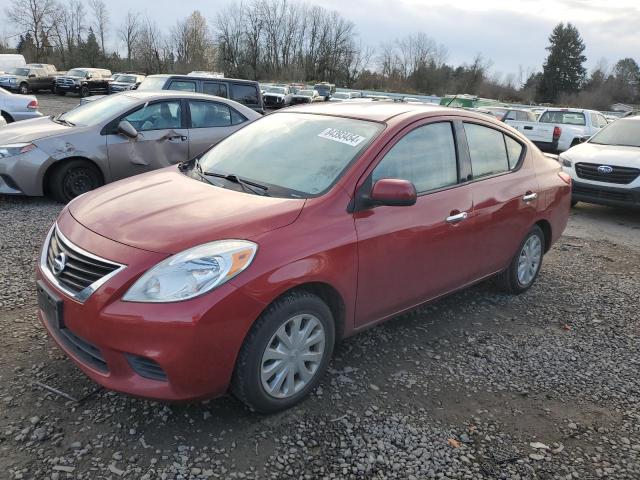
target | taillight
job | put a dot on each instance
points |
(557, 131)
(33, 105)
(565, 177)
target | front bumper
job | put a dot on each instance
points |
(193, 343)
(23, 174)
(13, 87)
(68, 88)
(605, 195)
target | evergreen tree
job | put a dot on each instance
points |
(563, 71)
(27, 47)
(91, 49)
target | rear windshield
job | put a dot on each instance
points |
(625, 132)
(565, 118)
(153, 83)
(246, 94)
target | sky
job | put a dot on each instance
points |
(512, 34)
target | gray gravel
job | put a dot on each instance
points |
(479, 385)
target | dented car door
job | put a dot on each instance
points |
(162, 139)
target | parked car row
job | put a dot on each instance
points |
(32, 77)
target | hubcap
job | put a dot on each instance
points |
(529, 261)
(293, 356)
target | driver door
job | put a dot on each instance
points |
(162, 140)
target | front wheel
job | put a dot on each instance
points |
(525, 265)
(84, 91)
(24, 88)
(285, 354)
(73, 178)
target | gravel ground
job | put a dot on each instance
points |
(479, 385)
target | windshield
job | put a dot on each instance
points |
(275, 90)
(322, 88)
(304, 154)
(23, 72)
(305, 93)
(625, 132)
(152, 83)
(565, 118)
(77, 73)
(126, 79)
(98, 111)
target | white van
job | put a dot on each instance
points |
(11, 60)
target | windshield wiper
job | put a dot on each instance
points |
(57, 119)
(253, 187)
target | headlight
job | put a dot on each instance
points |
(13, 80)
(77, 82)
(15, 149)
(564, 161)
(193, 272)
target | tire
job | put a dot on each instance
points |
(84, 91)
(24, 89)
(515, 282)
(574, 203)
(7, 118)
(73, 178)
(254, 373)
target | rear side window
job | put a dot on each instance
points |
(567, 118)
(487, 149)
(246, 94)
(183, 86)
(514, 151)
(215, 88)
(209, 114)
(425, 156)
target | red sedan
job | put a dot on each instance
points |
(240, 269)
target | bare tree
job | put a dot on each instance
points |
(36, 17)
(100, 21)
(129, 32)
(193, 44)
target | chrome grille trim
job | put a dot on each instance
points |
(83, 294)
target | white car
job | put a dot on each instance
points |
(18, 107)
(606, 168)
(558, 129)
(343, 96)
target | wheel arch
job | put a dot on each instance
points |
(7, 116)
(545, 226)
(46, 177)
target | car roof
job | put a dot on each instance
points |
(377, 111)
(202, 77)
(160, 94)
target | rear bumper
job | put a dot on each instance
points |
(605, 195)
(548, 147)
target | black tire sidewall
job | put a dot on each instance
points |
(84, 91)
(247, 379)
(57, 179)
(517, 286)
(24, 88)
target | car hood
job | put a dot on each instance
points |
(167, 212)
(279, 95)
(31, 130)
(605, 154)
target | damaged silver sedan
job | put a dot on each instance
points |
(112, 138)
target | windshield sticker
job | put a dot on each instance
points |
(342, 136)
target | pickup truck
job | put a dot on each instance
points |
(27, 79)
(558, 129)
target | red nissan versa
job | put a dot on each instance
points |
(241, 269)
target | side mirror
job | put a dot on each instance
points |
(393, 192)
(32, 75)
(126, 129)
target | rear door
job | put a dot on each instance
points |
(219, 89)
(210, 122)
(407, 255)
(505, 195)
(163, 139)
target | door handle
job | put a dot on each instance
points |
(456, 217)
(182, 138)
(529, 197)
(528, 127)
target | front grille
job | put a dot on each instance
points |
(85, 351)
(269, 100)
(603, 194)
(64, 82)
(620, 175)
(147, 368)
(80, 270)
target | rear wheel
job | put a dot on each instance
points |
(525, 265)
(574, 203)
(24, 88)
(7, 118)
(73, 178)
(285, 354)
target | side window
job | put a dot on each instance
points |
(236, 118)
(514, 151)
(156, 116)
(594, 120)
(214, 88)
(246, 94)
(425, 156)
(511, 115)
(209, 114)
(522, 116)
(487, 150)
(602, 121)
(182, 85)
